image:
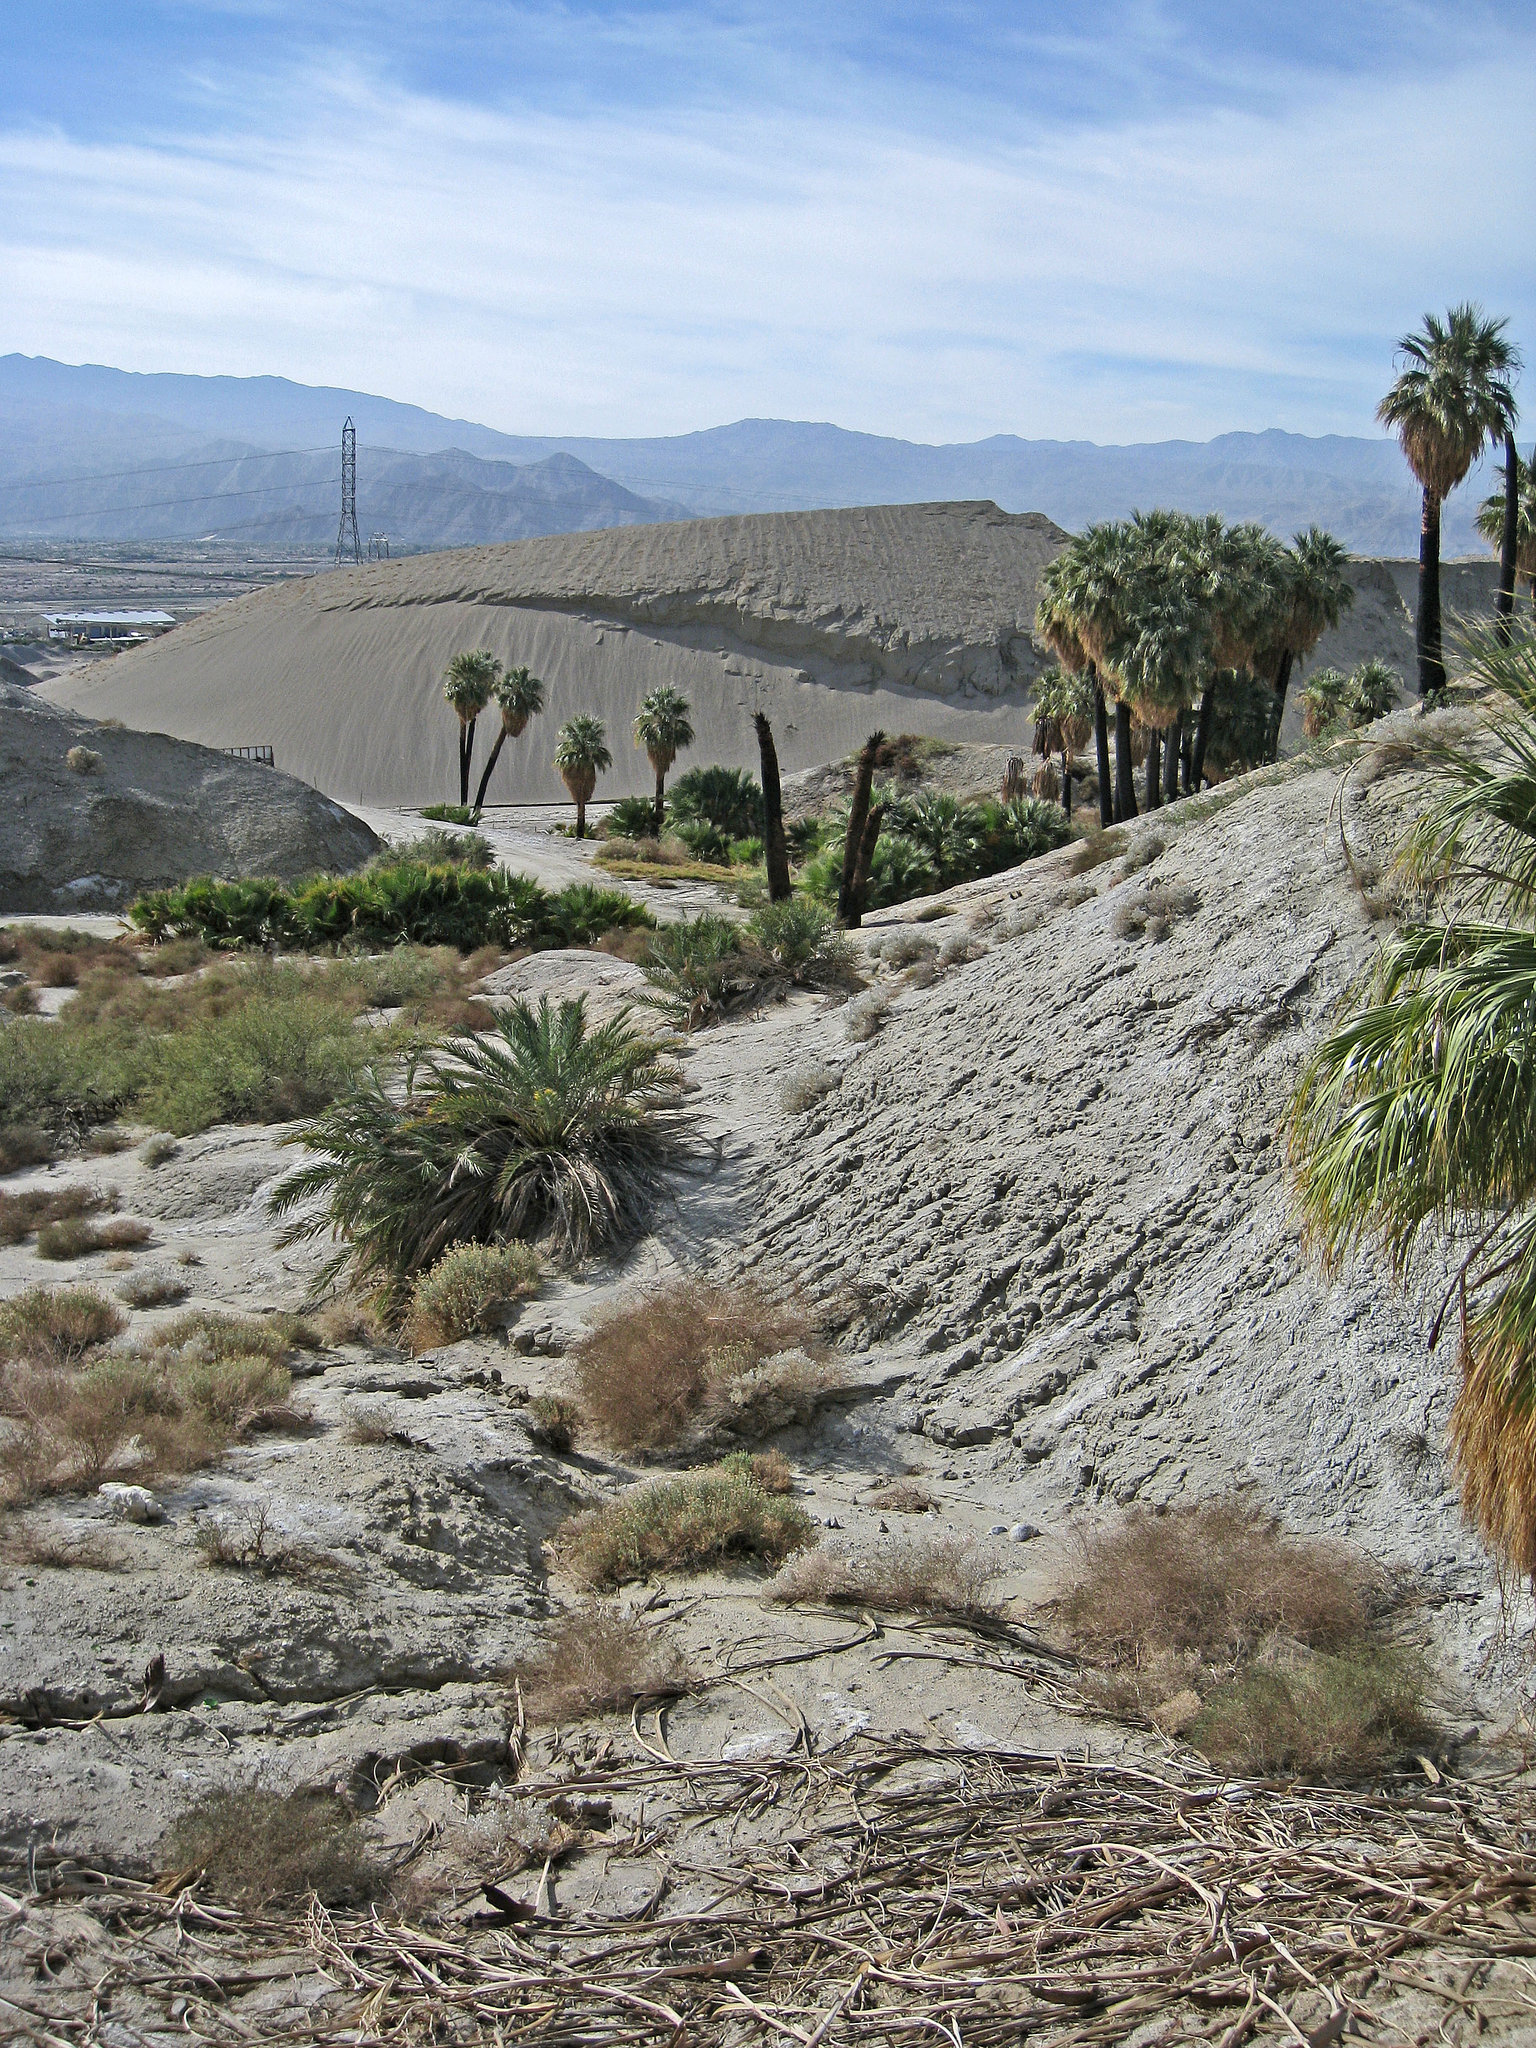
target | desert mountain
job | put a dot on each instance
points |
(62, 420)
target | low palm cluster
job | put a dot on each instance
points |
(1334, 703)
(549, 1130)
(1421, 1107)
(705, 968)
(930, 842)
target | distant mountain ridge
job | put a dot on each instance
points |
(473, 484)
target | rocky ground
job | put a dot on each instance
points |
(1033, 1177)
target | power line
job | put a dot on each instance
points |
(160, 504)
(106, 476)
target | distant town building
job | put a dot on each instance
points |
(77, 626)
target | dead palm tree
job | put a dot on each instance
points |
(1453, 393)
(519, 696)
(662, 728)
(581, 755)
(1493, 524)
(467, 685)
(1421, 1108)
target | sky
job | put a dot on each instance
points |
(1124, 221)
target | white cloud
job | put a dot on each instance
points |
(597, 271)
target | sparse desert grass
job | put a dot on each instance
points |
(690, 1360)
(686, 1524)
(46, 1547)
(902, 947)
(866, 1017)
(1317, 1715)
(158, 1150)
(898, 1575)
(467, 1290)
(257, 1847)
(808, 1085)
(73, 1412)
(105, 1142)
(554, 1421)
(252, 1542)
(349, 1321)
(76, 1237)
(21, 1214)
(595, 1660)
(1154, 911)
(152, 1290)
(372, 1425)
(900, 1496)
(56, 1326)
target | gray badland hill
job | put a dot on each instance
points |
(146, 810)
(61, 419)
(917, 618)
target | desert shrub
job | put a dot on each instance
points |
(21, 1214)
(554, 1421)
(56, 1326)
(799, 942)
(900, 1496)
(647, 1372)
(902, 947)
(699, 973)
(74, 1237)
(450, 814)
(808, 1085)
(105, 1143)
(1213, 1582)
(83, 761)
(158, 1150)
(350, 1321)
(632, 817)
(728, 799)
(465, 1291)
(257, 1847)
(688, 1524)
(897, 1574)
(866, 1018)
(22, 1144)
(253, 1542)
(1347, 1715)
(770, 1470)
(152, 1290)
(549, 1129)
(1154, 911)
(597, 1661)
(208, 1334)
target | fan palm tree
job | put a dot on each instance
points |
(581, 755)
(1315, 592)
(1453, 393)
(1492, 522)
(1421, 1107)
(1064, 719)
(1079, 615)
(663, 730)
(519, 696)
(467, 686)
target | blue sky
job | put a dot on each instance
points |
(1123, 221)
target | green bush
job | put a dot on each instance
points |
(703, 840)
(398, 900)
(1344, 1715)
(690, 1523)
(451, 814)
(726, 798)
(698, 971)
(800, 942)
(56, 1325)
(547, 1129)
(632, 817)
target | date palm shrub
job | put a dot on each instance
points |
(549, 1131)
(1010, 833)
(662, 728)
(581, 755)
(801, 945)
(726, 798)
(518, 696)
(698, 971)
(632, 817)
(1419, 1109)
(1453, 394)
(467, 686)
(582, 913)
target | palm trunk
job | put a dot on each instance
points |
(1202, 735)
(466, 748)
(581, 817)
(868, 840)
(1171, 746)
(1186, 757)
(775, 851)
(1427, 637)
(1154, 768)
(659, 811)
(858, 817)
(1504, 603)
(1101, 751)
(490, 768)
(1282, 684)
(1066, 783)
(1125, 773)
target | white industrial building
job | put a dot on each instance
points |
(74, 627)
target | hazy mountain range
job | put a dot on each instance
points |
(256, 458)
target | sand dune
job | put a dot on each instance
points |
(912, 617)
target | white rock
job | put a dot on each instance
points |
(131, 1503)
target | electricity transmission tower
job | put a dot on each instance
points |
(348, 546)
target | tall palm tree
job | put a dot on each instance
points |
(581, 755)
(1079, 615)
(1453, 393)
(662, 728)
(1314, 594)
(1421, 1107)
(519, 696)
(1493, 524)
(1064, 719)
(467, 686)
